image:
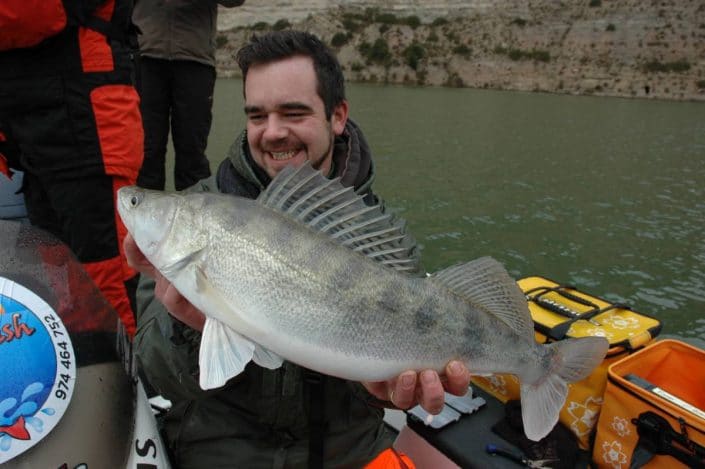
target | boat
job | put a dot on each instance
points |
(72, 371)
(67, 367)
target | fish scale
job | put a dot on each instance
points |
(310, 274)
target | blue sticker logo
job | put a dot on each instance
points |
(39, 369)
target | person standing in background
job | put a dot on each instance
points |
(176, 82)
(70, 119)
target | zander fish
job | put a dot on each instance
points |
(308, 273)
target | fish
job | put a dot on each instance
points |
(309, 273)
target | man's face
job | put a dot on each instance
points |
(286, 119)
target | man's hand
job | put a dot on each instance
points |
(164, 291)
(425, 388)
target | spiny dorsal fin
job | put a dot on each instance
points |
(324, 205)
(487, 284)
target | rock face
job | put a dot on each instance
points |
(271, 11)
(630, 48)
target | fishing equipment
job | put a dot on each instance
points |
(561, 311)
(654, 409)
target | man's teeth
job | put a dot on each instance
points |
(283, 155)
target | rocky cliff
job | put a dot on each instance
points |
(630, 48)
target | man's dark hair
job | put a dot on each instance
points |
(284, 44)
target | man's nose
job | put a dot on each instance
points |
(276, 128)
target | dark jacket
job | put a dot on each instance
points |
(260, 418)
(179, 29)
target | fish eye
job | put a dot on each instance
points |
(134, 201)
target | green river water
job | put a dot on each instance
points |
(606, 194)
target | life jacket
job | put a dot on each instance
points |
(26, 23)
(391, 459)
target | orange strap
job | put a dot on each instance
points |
(4, 167)
(391, 459)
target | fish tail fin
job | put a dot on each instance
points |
(542, 400)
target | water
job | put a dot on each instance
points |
(606, 194)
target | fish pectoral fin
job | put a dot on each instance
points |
(266, 358)
(183, 264)
(223, 354)
(209, 298)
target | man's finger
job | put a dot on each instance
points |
(135, 258)
(432, 395)
(457, 378)
(404, 392)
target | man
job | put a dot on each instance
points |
(69, 118)
(289, 417)
(177, 76)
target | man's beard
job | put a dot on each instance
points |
(316, 164)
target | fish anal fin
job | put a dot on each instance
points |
(486, 283)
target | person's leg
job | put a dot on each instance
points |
(88, 225)
(155, 95)
(80, 212)
(191, 121)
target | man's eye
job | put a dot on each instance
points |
(255, 117)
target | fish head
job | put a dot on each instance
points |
(165, 226)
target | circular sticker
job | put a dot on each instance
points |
(38, 374)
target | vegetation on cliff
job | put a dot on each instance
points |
(626, 48)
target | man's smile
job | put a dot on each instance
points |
(283, 155)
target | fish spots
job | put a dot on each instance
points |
(472, 336)
(425, 316)
(387, 303)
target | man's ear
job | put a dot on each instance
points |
(339, 117)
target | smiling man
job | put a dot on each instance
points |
(287, 121)
(289, 417)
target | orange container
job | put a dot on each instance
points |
(654, 409)
(560, 311)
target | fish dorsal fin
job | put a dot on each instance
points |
(325, 205)
(485, 283)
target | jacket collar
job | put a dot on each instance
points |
(352, 160)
